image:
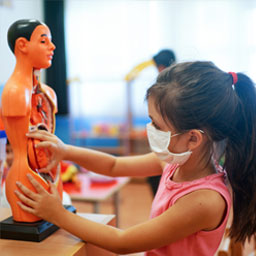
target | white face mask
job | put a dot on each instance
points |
(159, 142)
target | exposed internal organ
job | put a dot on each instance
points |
(42, 110)
(41, 119)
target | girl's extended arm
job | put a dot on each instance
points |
(96, 161)
(200, 210)
(99, 162)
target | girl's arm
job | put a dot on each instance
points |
(199, 210)
(103, 163)
(96, 161)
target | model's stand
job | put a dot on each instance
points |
(35, 231)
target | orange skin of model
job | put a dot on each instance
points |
(16, 108)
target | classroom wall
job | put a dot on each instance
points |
(106, 39)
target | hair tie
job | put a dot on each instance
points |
(234, 77)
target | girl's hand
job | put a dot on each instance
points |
(53, 145)
(45, 205)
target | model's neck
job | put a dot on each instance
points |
(36, 77)
(26, 73)
(24, 70)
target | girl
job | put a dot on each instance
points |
(193, 106)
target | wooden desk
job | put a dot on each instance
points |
(60, 243)
(96, 193)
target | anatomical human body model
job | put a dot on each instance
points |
(28, 105)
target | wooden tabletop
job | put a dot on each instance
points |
(60, 243)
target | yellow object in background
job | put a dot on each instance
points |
(137, 69)
(105, 129)
(68, 171)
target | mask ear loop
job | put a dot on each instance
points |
(175, 134)
(193, 129)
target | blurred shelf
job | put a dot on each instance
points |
(122, 144)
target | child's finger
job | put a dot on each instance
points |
(44, 144)
(39, 188)
(26, 191)
(26, 208)
(39, 134)
(49, 167)
(25, 199)
(53, 189)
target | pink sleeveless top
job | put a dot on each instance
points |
(202, 243)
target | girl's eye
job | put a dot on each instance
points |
(43, 41)
(156, 126)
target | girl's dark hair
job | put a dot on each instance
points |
(198, 95)
(21, 28)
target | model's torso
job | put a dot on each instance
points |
(24, 108)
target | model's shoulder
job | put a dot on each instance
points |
(15, 101)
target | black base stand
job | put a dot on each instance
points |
(36, 231)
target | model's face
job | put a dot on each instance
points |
(41, 47)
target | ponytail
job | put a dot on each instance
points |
(240, 160)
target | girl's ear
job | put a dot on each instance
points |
(21, 44)
(195, 140)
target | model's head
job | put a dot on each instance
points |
(21, 28)
(33, 39)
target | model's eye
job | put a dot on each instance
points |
(44, 40)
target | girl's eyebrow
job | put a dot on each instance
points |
(152, 119)
(154, 123)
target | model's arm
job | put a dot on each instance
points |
(96, 161)
(199, 210)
